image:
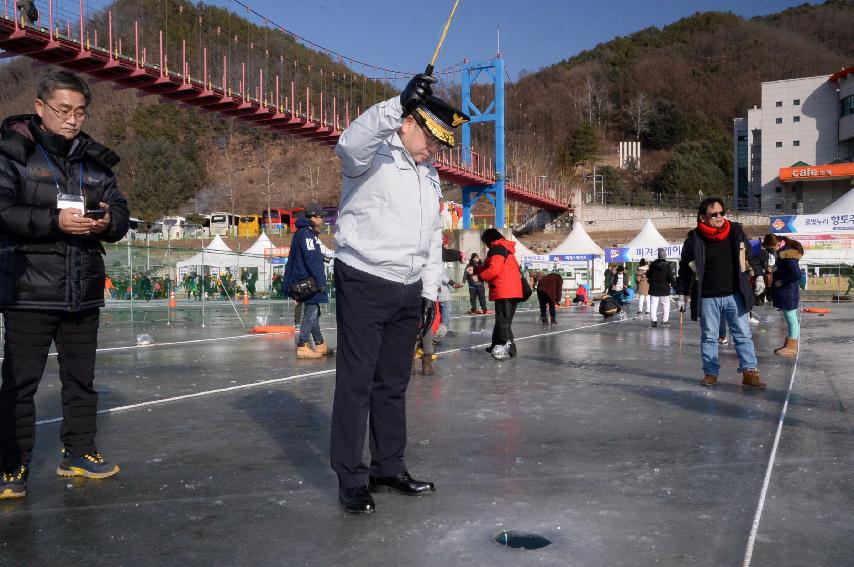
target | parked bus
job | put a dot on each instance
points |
(173, 227)
(296, 214)
(223, 224)
(278, 221)
(249, 225)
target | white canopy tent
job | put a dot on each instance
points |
(577, 242)
(522, 251)
(218, 257)
(842, 206)
(254, 257)
(215, 255)
(647, 242)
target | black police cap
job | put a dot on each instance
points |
(440, 118)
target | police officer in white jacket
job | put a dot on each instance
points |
(388, 240)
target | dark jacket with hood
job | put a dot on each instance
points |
(660, 278)
(306, 259)
(501, 271)
(788, 273)
(42, 267)
(471, 278)
(692, 267)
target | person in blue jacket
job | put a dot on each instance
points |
(785, 286)
(306, 260)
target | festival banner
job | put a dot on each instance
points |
(620, 255)
(812, 224)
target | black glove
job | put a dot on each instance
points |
(416, 93)
(428, 314)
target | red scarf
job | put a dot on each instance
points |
(712, 233)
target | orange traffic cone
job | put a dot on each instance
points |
(172, 303)
(566, 300)
(245, 298)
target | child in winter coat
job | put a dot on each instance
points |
(785, 286)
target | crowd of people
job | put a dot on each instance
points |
(392, 289)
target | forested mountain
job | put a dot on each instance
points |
(676, 89)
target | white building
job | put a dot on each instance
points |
(794, 153)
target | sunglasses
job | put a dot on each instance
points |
(716, 214)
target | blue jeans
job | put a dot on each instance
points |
(310, 324)
(731, 308)
(445, 307)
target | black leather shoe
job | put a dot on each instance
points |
(356, 500)
(402, 483)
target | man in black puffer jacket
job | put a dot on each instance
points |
(58, 203)
(661, 279)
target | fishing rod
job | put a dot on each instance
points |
(429, 69)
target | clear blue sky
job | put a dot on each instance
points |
(534, 33)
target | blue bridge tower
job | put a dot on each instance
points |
(494, 112)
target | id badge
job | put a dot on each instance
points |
(66, 201)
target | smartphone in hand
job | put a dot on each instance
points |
(96, 214)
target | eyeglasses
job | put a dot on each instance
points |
(430, 136)
(716, 214)
(66, 114)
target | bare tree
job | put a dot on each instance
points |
(269, 182)
(640, 112)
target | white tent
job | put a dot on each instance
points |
(521, 250)
(648, 239)
(217, 255)
(254, 255)
(578, 242)
(842, 206)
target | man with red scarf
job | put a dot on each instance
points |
(715, 269)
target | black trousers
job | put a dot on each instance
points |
(477, 293)
(377, 325)
(546, 301)
(29, 335)
(505, 309)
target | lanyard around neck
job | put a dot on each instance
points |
(53, 173)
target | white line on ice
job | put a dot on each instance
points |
(289, 378)
(754, 530)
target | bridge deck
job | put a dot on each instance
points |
(282, 113)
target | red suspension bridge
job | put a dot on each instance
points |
(118, 48)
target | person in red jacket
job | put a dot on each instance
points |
(502, 274)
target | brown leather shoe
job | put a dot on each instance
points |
(427, 366)
(788, 349)
(750, 378)
(709, 380)
(306, 352)
(322, 349)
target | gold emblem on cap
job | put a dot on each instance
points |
(436, 128)
(458, 120)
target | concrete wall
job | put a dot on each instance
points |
(602, 218)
